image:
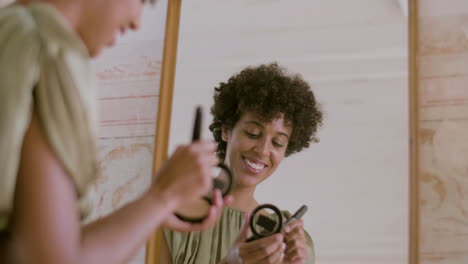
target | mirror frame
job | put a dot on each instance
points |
(163, 121)
(413, 133)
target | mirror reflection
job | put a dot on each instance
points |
(307, 101)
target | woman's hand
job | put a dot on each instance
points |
(174, 223)
(267, 250)
(297, 249)
(185, 177)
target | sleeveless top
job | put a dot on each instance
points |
(212, 245)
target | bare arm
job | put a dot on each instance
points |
(45, 222)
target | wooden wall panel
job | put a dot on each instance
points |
(443, 96)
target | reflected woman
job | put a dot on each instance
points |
(260, 116)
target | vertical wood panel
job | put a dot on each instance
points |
(443, 131)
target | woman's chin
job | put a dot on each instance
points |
(94, 51)
(94, 54)
(112, 42)
(248, 181)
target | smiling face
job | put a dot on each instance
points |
(102, 21)
(255, 148)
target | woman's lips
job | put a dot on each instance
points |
(252, 166)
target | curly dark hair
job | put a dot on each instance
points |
(267, 90)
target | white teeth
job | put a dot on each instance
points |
(256, 166)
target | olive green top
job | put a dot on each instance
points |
(44, 66)
(212, 245)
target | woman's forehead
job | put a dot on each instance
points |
(254, 116)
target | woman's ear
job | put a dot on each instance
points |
(225, 133)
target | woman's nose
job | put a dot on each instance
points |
(262, 147)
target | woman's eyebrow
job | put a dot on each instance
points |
(255, 123)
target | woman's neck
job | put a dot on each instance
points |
(243, 199)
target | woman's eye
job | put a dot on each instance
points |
(278, 145)
(251, 135)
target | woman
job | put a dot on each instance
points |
(47, 143)
(260, 116)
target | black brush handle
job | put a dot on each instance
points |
(197, 124)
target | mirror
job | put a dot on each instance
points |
(353, 53)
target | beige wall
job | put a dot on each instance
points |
(443, 58)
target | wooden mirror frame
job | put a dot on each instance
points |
(165, 108)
